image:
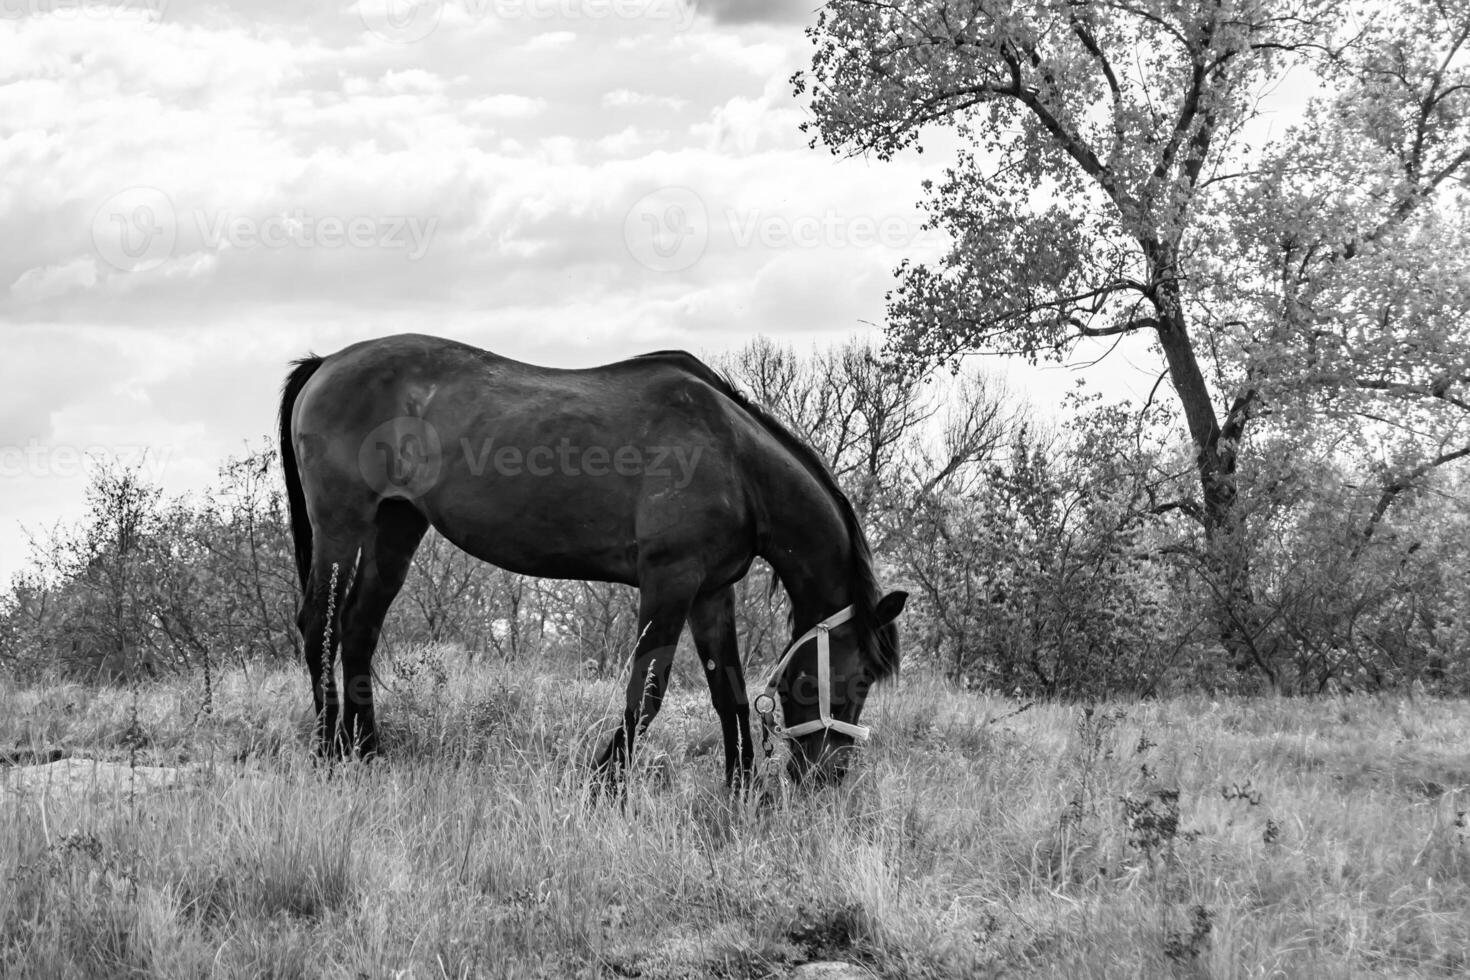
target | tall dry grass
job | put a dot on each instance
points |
(1190, 838)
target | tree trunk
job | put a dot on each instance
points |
(1227, 550)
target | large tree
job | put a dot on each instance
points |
(1118, 177)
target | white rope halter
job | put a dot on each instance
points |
(765, 702)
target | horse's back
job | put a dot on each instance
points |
(404, 361)
(553, 471)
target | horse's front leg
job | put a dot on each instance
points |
(712, 621)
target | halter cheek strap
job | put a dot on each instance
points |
(765, 702)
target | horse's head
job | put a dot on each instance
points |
(827, 674)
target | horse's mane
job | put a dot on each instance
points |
(882, 656)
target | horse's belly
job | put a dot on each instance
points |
(542, 527)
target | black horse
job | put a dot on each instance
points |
(653, 472)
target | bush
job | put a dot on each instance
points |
(1069, 565)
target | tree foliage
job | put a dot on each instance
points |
(1119, 182)
(1115, 182)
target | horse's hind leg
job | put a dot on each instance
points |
(397, 531)
(712, 621)
(334, 563)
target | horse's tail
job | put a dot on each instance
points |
(301, 372)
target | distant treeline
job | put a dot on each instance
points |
(1049, 561)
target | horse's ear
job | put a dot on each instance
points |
(890, 606)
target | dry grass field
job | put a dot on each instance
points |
(1187, 838)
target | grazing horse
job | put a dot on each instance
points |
(653, 472)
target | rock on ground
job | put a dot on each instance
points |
(75, 777)
(829, 970)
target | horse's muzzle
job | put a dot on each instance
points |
(820, 758)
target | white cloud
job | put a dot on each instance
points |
(744, 124)
(550, 41)
(755, 56)
(412, 80)
(49, 281)
(624, 98)
(757, 11)
(630, 140)
(506, 107)
(523, 143)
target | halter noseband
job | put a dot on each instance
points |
(765, 702)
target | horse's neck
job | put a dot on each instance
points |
(810, 549)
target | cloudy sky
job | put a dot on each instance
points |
(195, 192)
